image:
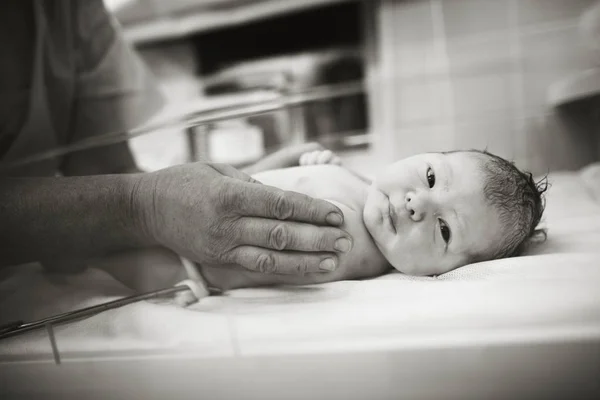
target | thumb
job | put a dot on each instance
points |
(228, 170)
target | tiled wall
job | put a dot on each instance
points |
(475, 73)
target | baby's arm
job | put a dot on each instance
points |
(301, 155)
(321, 156)
(283, 158)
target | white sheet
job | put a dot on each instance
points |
(551, 292)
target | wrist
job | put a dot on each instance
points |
(139, 202)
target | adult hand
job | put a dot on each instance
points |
(214, 214)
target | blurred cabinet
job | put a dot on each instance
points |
(289, 47)
(148, 21)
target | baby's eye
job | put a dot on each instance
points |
(430, 177)
(445, 230)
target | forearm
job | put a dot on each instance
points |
(74, 218)
(273, 161)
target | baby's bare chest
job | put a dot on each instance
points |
(346, 191)
(319, 181)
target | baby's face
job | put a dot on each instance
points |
(427, 213)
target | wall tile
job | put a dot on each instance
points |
(548, 57)
(423, 138)
(419, 60)
(535, 91)
(476, 56)
(535, 138)
(520, 138)
(413, 22)
(425, 101)
(559, 50)
(471, 17)
(472, 135)
(496, 134)
(484, 95)
(542, 11)
(536, 165)
(497, 78)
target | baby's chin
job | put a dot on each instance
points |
(413, 267)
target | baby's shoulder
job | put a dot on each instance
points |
(330, 182)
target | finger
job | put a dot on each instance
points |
(324, 157)
(276, 262)
(289, 235)
(246, 199)
(308, 158)
(313, 157)
(303, 159)
(336, 160)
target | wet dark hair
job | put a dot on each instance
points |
(519, 201)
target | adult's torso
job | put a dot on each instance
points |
(36, 49)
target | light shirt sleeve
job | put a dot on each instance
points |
(114, 89)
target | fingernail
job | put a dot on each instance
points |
(327, 264)
(334, 218)
(343, 245)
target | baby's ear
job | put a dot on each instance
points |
(537, 237)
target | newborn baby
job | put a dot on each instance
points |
(424, 215)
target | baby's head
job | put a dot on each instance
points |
(434, 212)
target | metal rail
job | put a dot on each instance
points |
(20, 327)
(198, 118)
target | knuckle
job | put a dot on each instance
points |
(230, 198)
(223, 196)
(233, 256)
(229, 256)
(212, 253)
(223, 235)
(320, 242)
(314, 208)
(278, 237)
(265, 263)
(302, 268)
(282, 207)
(221, 228)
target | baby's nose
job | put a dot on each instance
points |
(416, 206)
